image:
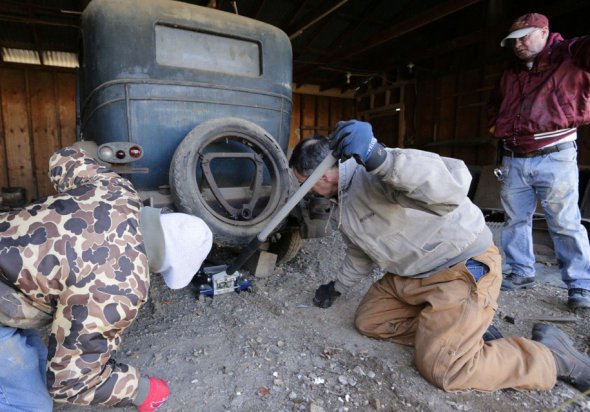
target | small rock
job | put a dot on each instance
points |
(318, 380)
(375, 403)
(359, 371)
(315, 408)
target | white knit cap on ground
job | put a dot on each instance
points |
(187, 241)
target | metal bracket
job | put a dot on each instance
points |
(246, 211)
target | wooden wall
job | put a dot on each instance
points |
(445, 114)
(37, 116)
(313, 114)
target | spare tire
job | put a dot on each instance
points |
(232, 174)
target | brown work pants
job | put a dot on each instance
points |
(444, 317)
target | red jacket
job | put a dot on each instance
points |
(554, 94)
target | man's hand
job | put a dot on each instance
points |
(355, 139)
(325, 295)
(157, 395)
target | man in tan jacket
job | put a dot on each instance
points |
(407, 212)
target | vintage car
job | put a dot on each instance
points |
(193, 105)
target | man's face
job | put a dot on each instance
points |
(327, 186)
(527, 47)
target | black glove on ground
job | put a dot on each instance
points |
(325, 295)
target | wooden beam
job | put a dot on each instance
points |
(352, 27)
(3, 161)
(291, 19)
(398, 30)
(17, 138)
(407, 26)
(258, 9)
(300, 31)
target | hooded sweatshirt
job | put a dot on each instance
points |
(77, 261)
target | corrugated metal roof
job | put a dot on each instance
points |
(50, 57)
(20, 56)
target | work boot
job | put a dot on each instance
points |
(492, 333)
(572, 366)
(578, 298)
(515, 282)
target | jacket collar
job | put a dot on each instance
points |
(543, 60)
(346, 171)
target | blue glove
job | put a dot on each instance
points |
(355, 139)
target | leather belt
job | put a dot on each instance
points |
(541, 152)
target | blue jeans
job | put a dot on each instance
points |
(552, 179)
(476, 268)
(23, 358)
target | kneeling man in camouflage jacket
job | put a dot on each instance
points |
(81, 261)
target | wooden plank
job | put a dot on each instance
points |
(490, 79)
(402, 127)
(348, 110)
(423, 113)
(445, 109)
(385, 127)
(335, 112)
(66, 103)
(323, 117)
(308, 116)
(295, 134)
(467, 115)
(16, 131)
(44, 125)
(3, 162)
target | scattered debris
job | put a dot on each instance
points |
(262, 351)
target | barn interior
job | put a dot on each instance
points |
(420, 72)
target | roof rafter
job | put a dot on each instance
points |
(431, 15)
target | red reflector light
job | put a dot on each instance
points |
(135, 151)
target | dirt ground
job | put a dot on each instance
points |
(272, 350)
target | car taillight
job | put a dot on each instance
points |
(135, 152)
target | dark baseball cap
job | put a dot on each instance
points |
(524, 25)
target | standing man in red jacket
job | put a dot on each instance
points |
(540, 101)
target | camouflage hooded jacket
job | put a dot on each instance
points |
(77, 260)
